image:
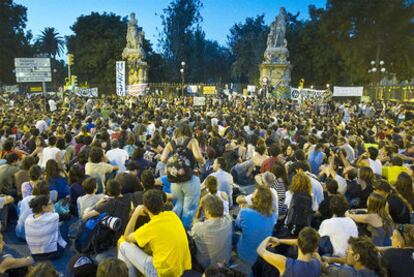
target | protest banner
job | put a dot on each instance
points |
(199, 101)
(348, 91)
(120, 78)
(86, 92)
(209, 90)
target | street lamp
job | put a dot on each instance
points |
(377, 68)
(265, 89)
(182, 77)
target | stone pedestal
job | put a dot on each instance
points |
(137, 72)
(277, 74)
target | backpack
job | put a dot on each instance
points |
(300, 212)
(93, 237)
(181, 164)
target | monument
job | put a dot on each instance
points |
(275, 69)
(137, 68)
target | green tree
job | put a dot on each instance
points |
(50, 42)
(247, 42)
(14, 41)
(180, 22)
(97, 44)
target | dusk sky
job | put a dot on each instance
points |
(218, 15)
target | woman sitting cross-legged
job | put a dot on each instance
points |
(42, 230)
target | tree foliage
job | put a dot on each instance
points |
(14, 41)
(97, 44)
(247, 42)
(50, 42)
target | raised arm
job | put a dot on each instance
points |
(275, 260)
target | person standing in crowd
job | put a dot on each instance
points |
(187, 193)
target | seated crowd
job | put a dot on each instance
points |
(239, 187)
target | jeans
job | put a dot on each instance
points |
(187, 197)
(135, 258)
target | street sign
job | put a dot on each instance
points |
(30, 70)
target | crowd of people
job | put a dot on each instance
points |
(151, 186)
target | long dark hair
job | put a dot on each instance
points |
(52, 170)
(280, 172)
(368, 254)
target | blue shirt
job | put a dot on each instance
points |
(60, 184)
(255, 228)
(315, 161)
(295, 268)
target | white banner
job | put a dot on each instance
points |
(120, 78)
(199, 101)
(11, 89)
(309, 94)
(251, 88)
(137, 89)
(192, 89)
(348, 91)
(86, 92)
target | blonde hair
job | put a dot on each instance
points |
(301, 183)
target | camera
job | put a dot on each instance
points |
(113, 223)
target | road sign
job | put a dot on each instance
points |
(33, 70)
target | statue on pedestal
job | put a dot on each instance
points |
(134, 50)
(276, 67)
(134, 54)
(276, 50)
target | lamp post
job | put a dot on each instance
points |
(376, 72)
(182, 77)
(265, 89)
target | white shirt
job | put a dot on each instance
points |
(48, 153)
(342, 184)
(42, 233)
(339, 230)
(41, 125)
(52, 105)
(118, 157)
(376, 166)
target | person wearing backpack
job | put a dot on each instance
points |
(180, 156)
(300, 203)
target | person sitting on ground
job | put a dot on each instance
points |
(274, 152)
(308, 258)
(338, 228)
(7, 171)
(56, 179)
(112, 267)
(361, 259)
(90, 199)
(22, 175)
(24, 209)
(267, 180)
(331, 186)
(9, 264)
(35, 172)
(398, 259)
(213, 236)
(43, 269)
(96, 167)
(42, 230)
(376, 218)
(164, 235)
(404, 186)
(211, 184)
(391, 172)
(225, 180)
(255, 223)
(117, 156)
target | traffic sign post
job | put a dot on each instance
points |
(30, 70)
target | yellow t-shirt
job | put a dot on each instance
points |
(391, 173)
(169, 244)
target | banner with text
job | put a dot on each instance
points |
(305, 94)
(120, 78)
(348, 91)
(209, 90)
(137, 89)
(86, 92)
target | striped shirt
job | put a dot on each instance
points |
(42, 233)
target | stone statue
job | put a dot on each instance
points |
(134, 54)
(276, 66)
(133, 50)
(276, 50)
